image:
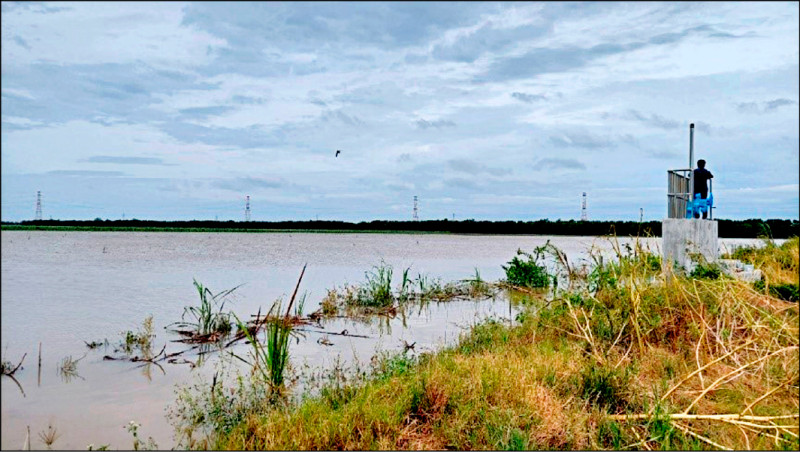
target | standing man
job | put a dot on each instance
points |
(701, 177)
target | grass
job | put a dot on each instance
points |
(478, 288)
(49, 436)
(68, 368)
(779, 267)
(529, 272)
(209, 320)
(778, 264)
(377, 290)
(271, 361)
(706, 271)
(630, 356)
(376, 294)
(141, 340)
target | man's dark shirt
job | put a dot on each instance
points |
(701, 177)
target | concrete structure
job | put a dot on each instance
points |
(740, 270)
(685, 240)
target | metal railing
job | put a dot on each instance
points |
(677, 192)
(678, 195)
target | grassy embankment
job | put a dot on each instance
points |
(627, 356)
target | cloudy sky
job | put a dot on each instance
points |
(483, 110)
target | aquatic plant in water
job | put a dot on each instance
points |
(68, 368)
(209, 317)
(141, 340)
(528, 272)
(138, 444)
(271, 361)
(50, 436)
(377, 290)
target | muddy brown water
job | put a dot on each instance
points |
(64, 288)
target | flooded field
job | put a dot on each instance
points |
(62, 289)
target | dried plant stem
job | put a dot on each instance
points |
(291, 301)
(697, 359)
(735, 372)
(767, 394)
(11, 372)
(710, 417)
(744, 434)
(700, 437)
(641, 441)
(686, 378)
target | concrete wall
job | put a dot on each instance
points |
(682, 237)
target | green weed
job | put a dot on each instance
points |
(209, 317)
(141, 339)
(528, 272)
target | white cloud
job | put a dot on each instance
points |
(243, 95)
(106, 32)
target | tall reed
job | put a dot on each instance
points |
(271, 361)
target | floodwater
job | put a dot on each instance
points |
(63, 288)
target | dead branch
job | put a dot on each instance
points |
(11, 372)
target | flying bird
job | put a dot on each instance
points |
(337, 153)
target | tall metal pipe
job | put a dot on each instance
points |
(691, 162)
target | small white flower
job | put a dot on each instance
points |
(90, 447)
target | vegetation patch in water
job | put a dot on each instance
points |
(528, 272)
(207, 322)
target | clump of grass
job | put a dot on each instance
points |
(141, 340)
(376, 295)
(208, 321)
(49, 436)
(329, 306)
(706, 271)
(786, 292)
(271, 361)
(528, 272)
(210, 408)
(95, 344)
(478, 287)
(603, 386)
(68, 368)
(376, 292)
(778, 264)
(138, 444)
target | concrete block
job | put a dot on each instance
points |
(740, 270)
(682, 238)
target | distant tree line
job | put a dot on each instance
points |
(752, 228)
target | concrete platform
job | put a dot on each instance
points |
(685, 240)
